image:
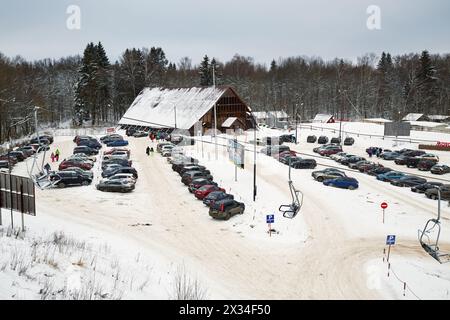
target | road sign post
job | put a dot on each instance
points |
(270, 218)
(390, 240)
(384, 205)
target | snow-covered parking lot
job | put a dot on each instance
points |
(333, 249)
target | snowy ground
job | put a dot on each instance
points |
(333, 249)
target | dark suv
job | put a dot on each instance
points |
(322, 140)
(349, 141)
(86, 150)
(225, 209)
(311, 139)
(69, 178)
(189, 176)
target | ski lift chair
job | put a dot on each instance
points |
(430, 247)
(291, 210)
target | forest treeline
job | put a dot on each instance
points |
(91, 88)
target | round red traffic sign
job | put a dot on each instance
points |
(384, 205)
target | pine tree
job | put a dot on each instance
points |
(217, 72)
(204, 71)
(426, 83)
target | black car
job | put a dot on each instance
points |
(192, 168)
(130, 131)
(19, 155)
(4, 164)
(115, 186)
(426, 165)
(286, 159)
(216, 196)
(349, 141)
(287, 138)
(225, 209)
(440, 169)
(69, 178)
(412, 162)
(86, 150)
(379, 170)
(303, 164)
(336, 140)
(189, 176)
(322, 140)
(87, 174)
(421, 188)
(110, 172)
(408, 181)
(178, 164)
(311, 139)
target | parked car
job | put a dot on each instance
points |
(426, 165)
(342, 182)
(121, 162)
(433, 193)
(130, 131)
(368, 166)
(189, 167)
(421, 188)
(440, 169)
(337, 156)
(189, 176)
(348, 161)
(412, 162)
(336, 140)
(10, 159)
(322, 140)
(128, 177)
(408, 181)
(4, 164)
(215, 196)
(140, 134)
(349, 141)
(429, 156)
(197, 183)
(85, 158)
(311, 139)
(203, 191)
(117, 143)
(113, 150)
(328, 151)
(345, 157)
(300, 163)
(63, 179)
(115, 186)
(162, 144)
(288, 157)
(113, 171)
(185, 161)
(86, 150)
(19, 155)
(91, 143)
(225, 209)
(356, 165)
(74, 163)
(390, 155)
(287, 138)
(390, 176)
(379, 170)
(329, 173)
(86, 173)
(111, 137)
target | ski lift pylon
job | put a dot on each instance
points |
(430, 247)
(291, 210)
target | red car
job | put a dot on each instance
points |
(73, 163)
(283, 154)
(112, 150)
(329, 151)
(202, 192)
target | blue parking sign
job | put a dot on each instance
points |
(270, 218)
(390, 239)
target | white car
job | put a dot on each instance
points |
(429, 156)
(128, 177)
(116, 156)
(82, 156)
(338, 156)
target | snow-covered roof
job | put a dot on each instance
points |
(229, 122)
(320, 117)
(427, 124)
(156, 106)
(267, 114)
(438, 117)
(379, 120)
(413, 117)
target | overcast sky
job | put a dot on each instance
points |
(262, 29)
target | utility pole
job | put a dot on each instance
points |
(254, 163)
(175, 113)
(215, 110)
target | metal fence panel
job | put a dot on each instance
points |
(397, 129)
(17, 193)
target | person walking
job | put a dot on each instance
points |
(57, 154)
(147, 151)
(151, 151)
(52, 156)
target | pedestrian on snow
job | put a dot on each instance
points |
(369, 152)
(52, 156)
(57, 155)
(147, 151)
(151, 151)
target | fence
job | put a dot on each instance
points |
(80, 132)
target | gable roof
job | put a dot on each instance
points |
(156, 106)
(412, 117)
(267, 114)
(321, 117)
(227, 123)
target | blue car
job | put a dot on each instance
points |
(117, 143)
(342, 182)
(390, 176)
